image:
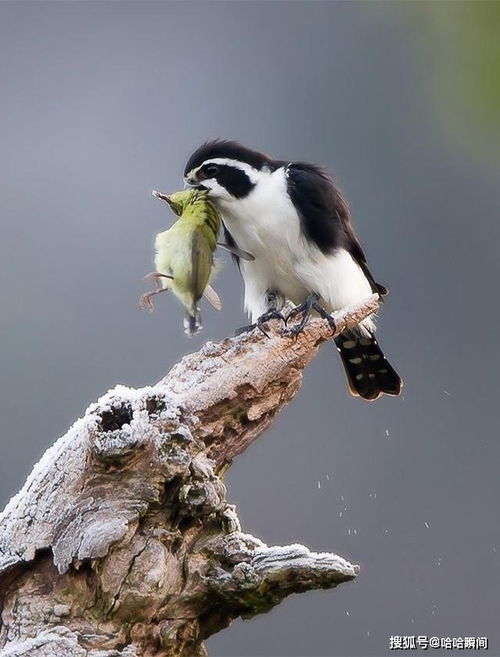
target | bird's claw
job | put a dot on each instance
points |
(145, 302)
(266, 317)
(244, 329)
(330, 321)
(304, 309)
(310, 304)
(294, 330)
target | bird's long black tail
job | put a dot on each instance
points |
(369, 373)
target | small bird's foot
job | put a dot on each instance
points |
(266, 317)
(310, 304)
(145, 302)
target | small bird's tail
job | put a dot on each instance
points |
(192, 323)
(369, 373)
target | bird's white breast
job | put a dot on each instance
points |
(266, 224)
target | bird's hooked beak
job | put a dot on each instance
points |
(190, 182)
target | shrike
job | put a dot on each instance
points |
(293, 219)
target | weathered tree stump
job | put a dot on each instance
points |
(121, 542)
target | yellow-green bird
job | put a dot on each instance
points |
(184, 255)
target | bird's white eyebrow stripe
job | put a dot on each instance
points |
(253, 174)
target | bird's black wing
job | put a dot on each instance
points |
(324, 214)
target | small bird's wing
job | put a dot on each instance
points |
(325, 214)
(202, 259)
(212, 297)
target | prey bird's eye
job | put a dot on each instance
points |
(211, 170)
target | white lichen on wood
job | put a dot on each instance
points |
(121, 542)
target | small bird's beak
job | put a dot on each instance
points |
(162, 197)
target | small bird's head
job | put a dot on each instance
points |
(226, 169)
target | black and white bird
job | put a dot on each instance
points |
(293, 219)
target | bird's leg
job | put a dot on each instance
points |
(266, 317)
(310, 304)
(155, 275)
(324, 314)
(145, 302)
(305, 308)
(274, 302)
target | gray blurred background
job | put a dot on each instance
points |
(102, 101)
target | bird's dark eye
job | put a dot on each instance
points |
(211, 170)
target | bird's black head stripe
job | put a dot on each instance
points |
(225, 148)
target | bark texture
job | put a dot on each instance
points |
(121, 542)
